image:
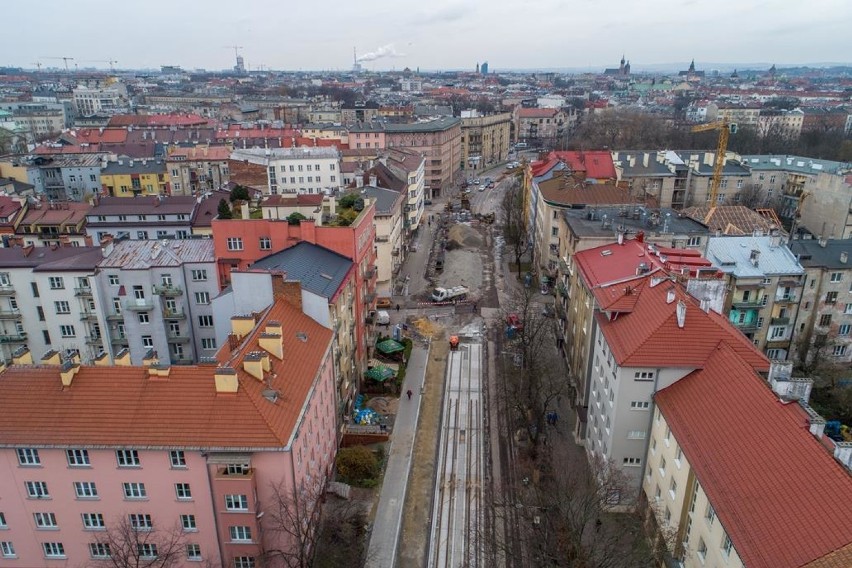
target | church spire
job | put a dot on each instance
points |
(692, 66)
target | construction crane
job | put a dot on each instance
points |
(37, 64)
(725, 128)
(65, 59)
(110, 61)
(235, 48)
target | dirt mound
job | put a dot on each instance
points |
(463, 236)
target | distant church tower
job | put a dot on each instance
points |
(477, 68)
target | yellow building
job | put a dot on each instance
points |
(485, 140)
(132, 178)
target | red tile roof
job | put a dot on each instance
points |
(780, 496)
(537, 112)
(122, 406)
(96, 136)
(645, 330)
(596, 164)
(158, 120)
(293, 201)
(566, 190)
(201, 153)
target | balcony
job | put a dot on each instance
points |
(80, 292)
(87, 315)
(168, 290)
(748, 305)
(779, 321)
(13, 338)
(370, 273)
(7, 290)
(786, 299)
(10, 314)
(777, 343)
(746, 327)
(93, 339)
(177, 337)
(114, 316)
(174, 314)
(118, 339)
(139, 305)
(554, 250)
(790, 282)
(182, 360)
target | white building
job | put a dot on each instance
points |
(304, 169)
(89, 101)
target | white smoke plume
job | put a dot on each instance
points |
(384, 51)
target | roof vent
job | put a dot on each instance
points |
(844, 257)
(670, 295)
(681, 314)
(302, 336)
(606, 252)
(271, 395)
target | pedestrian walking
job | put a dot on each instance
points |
(397, 307)
(408, 392)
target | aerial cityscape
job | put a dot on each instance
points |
(455, 285)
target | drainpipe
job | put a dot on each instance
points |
(213, 506)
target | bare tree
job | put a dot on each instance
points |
(342, 541)
(513, 215)
(126, 546)
(291, 521)
(751, 196)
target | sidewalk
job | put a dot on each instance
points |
(384, 538)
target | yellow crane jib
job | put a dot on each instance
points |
(725, 129)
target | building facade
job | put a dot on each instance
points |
(141, 218)
(135, 178)
(304, 169)
(439, 142)
(485, 140)
(193, 171)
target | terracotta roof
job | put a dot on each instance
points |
(596, 164)
(182, 410)
(293, 201)
(200, 153)
(9, 207)
(95, 135)
(537, 112)
(158, 120)
(780, 496)
(730, 219)
(567, 190)
(64, 213)
(646, 329)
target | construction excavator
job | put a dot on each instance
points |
(725, 129)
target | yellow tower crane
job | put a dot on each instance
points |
(725, 128)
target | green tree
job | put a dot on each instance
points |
(240, 192)
(357, 463)
(224, 210)
(295, 218)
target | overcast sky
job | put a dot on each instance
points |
(431, 34)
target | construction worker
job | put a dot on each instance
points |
(408, 392)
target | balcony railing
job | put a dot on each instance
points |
(176, 313)
(82, 291)
(177, 337)
(746, 327)
(6, 290)
(93, 339)
(786, 299)
(139, 305)
(167, 290)
(114, 316)
(10, 314)
(779, 321)
(118, 339)
(13, 338)
(748, 305)
(87, 315)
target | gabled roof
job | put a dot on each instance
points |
(780, 496)
(811, 253)
(33, 257)
(318, 269)
(645, 331)
(730, 219)
(387, 200)
(537, 112)
(182, 410)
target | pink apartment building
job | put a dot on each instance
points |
(187, 452)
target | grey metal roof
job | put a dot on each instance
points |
(82, 258)
(811, 254)
(144, 205)
(128, 166)
(590, 221)
(653, 168)
(385, 198)
(731, 167)
(732, 255)
(319, 269)
(142, 255)
(799, 164)
(437, 125)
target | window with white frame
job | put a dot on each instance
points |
(640, 405)
(187, 523)
(673, 489)
(636, 435)
(836, 276)
(702, 549)
(183, 491)
(93, 521)
(3, 524)
(839, 350)
(37, 489)
(208, 343)
(633, 462)
(77, 458)
(144, 318)
(644, 375)
(134, 491)
(193, 551)
(205, 321)
(177, 458)
(710, 514)
(56, 283)
(99, 550)
(53, 549)
(127, 458)
(235, 243)
(147, 342)
(202, 298)
(240, 533)
(265, 243)
(727, 545)
(85, 490)
(244, 562)
(199, 275)
(28, 456)
(7, 549)
(62, 307)
(141, 522)
(67, 331)
(844, 329)
(45, 520)
(147, 550)
(236, 502)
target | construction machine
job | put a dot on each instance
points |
(725, 129)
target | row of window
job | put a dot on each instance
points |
(300, 167)
(102, 550)
(80, 458)
(197, 275)
(236, 243)
(311, 179)
(89, 490)
(178, 217)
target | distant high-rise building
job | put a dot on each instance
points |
(240, 67)
(484, 68)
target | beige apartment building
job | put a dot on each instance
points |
(484, 140)
(389, 221)
(439, 141)
(197, 170)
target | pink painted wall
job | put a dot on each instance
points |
(367, 140)
(162, 504)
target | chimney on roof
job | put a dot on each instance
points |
(844, 257)
(272, 339)
(253, 364)
(242, 325)
(52, 357)
(159, 370)
(288, 290)
(122, 358)
(681, 314)
(373, 180)
(670, 295)
(150, 358)
(67, 372)
(226, 380)
(102, 359)
(754, 257)
(22, 356)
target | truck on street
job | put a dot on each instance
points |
(450, 294)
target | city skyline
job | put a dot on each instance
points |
(412, 35)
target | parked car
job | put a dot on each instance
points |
(482, 187)
(383, 302)
(476, 181)
(427, 202)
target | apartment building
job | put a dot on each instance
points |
(539, 126)
(616, 264)
(68, 177)
(47, 301)
(744, 116)
(485, 140)
(318, 279)
(721, 498)
(438, 141)
(389, 221)
(816, 193)
(142, 218)
(303, 169)
(365, 135)
(135, 178)
(825, 311)
(198, 463)
(193, 171)
(156, 295)
(97, 100)
(409, 166)
(47, 224)
(240, 242)
(649, 334)
(765, 282)
(779, 123)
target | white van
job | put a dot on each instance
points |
(521, 146)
